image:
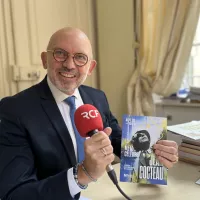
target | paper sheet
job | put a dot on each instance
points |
(190, 129)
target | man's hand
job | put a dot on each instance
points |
(98, 154)
(167, 152)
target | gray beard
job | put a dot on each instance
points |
(71, 90)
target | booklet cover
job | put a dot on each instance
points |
(138, 160)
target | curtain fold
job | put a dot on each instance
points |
(166, 36)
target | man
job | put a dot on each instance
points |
(38, 141)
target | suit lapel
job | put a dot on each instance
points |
(50, 107)
(85, 97)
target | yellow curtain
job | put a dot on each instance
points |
(166, 35)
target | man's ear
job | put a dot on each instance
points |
(92, 66)
(44, 59)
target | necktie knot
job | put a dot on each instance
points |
(70, 101)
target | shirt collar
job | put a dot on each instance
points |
(58, 95)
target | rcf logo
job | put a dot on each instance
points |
(90, 114)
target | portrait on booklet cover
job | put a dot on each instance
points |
(138, 161)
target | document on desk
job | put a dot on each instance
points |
(189, 129)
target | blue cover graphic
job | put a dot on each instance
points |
(138, 161)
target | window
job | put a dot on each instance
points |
(192, 75)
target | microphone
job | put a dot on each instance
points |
(88, 121)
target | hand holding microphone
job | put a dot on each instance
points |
(98, 148)
(98, 153)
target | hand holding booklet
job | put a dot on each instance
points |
(138, 160)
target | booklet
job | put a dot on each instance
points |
(138, 161)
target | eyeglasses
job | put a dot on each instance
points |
(61, 55)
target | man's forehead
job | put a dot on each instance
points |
(66, 41)
(64, 35)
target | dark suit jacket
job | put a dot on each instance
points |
(36, 149)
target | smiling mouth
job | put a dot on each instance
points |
(67, 75)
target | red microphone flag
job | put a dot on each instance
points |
(87, 118)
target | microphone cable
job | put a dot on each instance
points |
(113, 177)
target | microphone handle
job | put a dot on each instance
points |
(91, 133)
(110, 170)
(112, 174)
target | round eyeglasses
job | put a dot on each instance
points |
(61, 55)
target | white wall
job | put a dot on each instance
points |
(115, 51)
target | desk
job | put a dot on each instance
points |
(181, 185)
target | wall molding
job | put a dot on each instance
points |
(8, 87)
(33, 32)
(2, 52)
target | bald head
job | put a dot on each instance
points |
(68, 59)
(70, 34)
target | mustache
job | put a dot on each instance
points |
(72, 71)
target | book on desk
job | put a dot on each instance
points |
(189, 151)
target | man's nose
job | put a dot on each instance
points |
(69, 63)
